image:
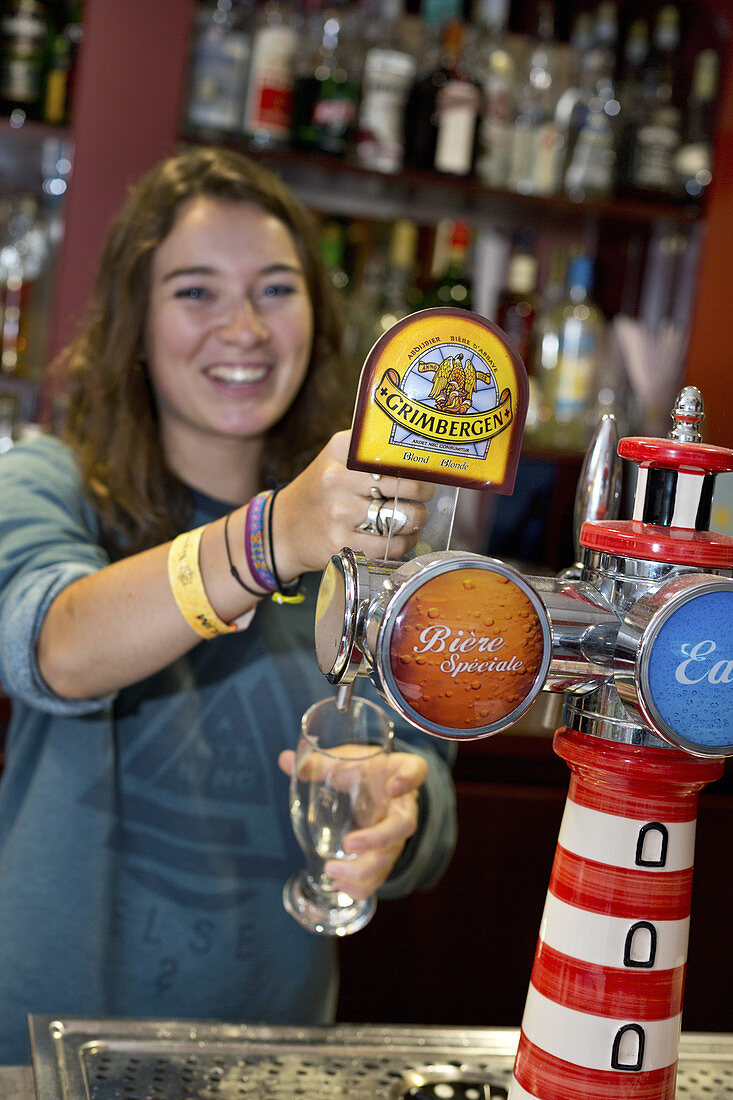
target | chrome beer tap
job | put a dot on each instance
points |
(638, 637)
(596, 622)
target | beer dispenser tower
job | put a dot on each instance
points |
(638, 636)
(603, 1009)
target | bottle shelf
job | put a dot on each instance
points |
(342, 188)
(32, 129)
(29, 153)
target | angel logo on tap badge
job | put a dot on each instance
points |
(442, 397)
(455, 383)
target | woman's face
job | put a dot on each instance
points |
(229, 325)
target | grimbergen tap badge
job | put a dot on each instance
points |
(443, 398)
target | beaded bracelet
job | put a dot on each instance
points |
(254, 541)
(187, 586)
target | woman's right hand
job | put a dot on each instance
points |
(322, 510)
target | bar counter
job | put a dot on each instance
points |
(78, 1058)
(16, 1083)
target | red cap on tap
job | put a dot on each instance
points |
(673, 499)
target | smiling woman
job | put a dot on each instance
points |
(109, 365)
(198, 475)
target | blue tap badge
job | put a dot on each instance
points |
(687, 673)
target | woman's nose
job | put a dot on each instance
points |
(244, 322)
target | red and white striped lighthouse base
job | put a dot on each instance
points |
(603, 1010)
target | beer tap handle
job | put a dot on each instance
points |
(599, 486)
(395, 501)
(598, 493)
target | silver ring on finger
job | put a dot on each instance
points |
(376, 493)
(371, 524)
(390, 519)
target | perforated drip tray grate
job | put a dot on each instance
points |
(86, 1059)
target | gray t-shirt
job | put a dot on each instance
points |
(145, 837)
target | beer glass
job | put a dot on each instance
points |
(336, 786)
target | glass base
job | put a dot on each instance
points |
(327, 914)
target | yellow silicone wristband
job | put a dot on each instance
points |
(187, 585)
(279, 597)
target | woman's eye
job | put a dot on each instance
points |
(193, 292)
(278, 290)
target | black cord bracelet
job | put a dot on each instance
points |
(289, 593)
(232, 567)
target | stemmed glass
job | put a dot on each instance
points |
(336, 786)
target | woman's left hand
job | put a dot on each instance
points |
(378, 847)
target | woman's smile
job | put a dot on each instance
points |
(239, 375)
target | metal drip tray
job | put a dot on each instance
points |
(121, 1059)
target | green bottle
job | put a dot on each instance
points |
(453, 286)
(570, 376)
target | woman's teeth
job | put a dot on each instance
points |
(237, 375)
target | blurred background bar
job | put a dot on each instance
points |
(562, 168)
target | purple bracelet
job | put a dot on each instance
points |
(254, 542)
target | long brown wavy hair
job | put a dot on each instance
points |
(112, 422)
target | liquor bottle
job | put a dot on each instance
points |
(364, 308)
(591, 143)
(452, 287)
(663, 61)
(400, 296)
(268, 102)
(536, 155)
(22, 260)
(24, 30)
(694, 160)
(575, 91)
(439, 12)
(389, 70)
(517, 306)
(657, 135)
(310, 42)
(457, 108)
(493, 66)
(332, 247)
(553, 289)
(442, 110)
(388, 291)
(61, 72)
(59, 64)
(219, 66)
(326, 94)
(516, 314)
(420, 120)
(654, 154)
(631, 98)
(577, 332)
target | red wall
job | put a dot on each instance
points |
(710, 356)
(127, 109)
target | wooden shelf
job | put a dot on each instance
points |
(338, 186)
(31, 128)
